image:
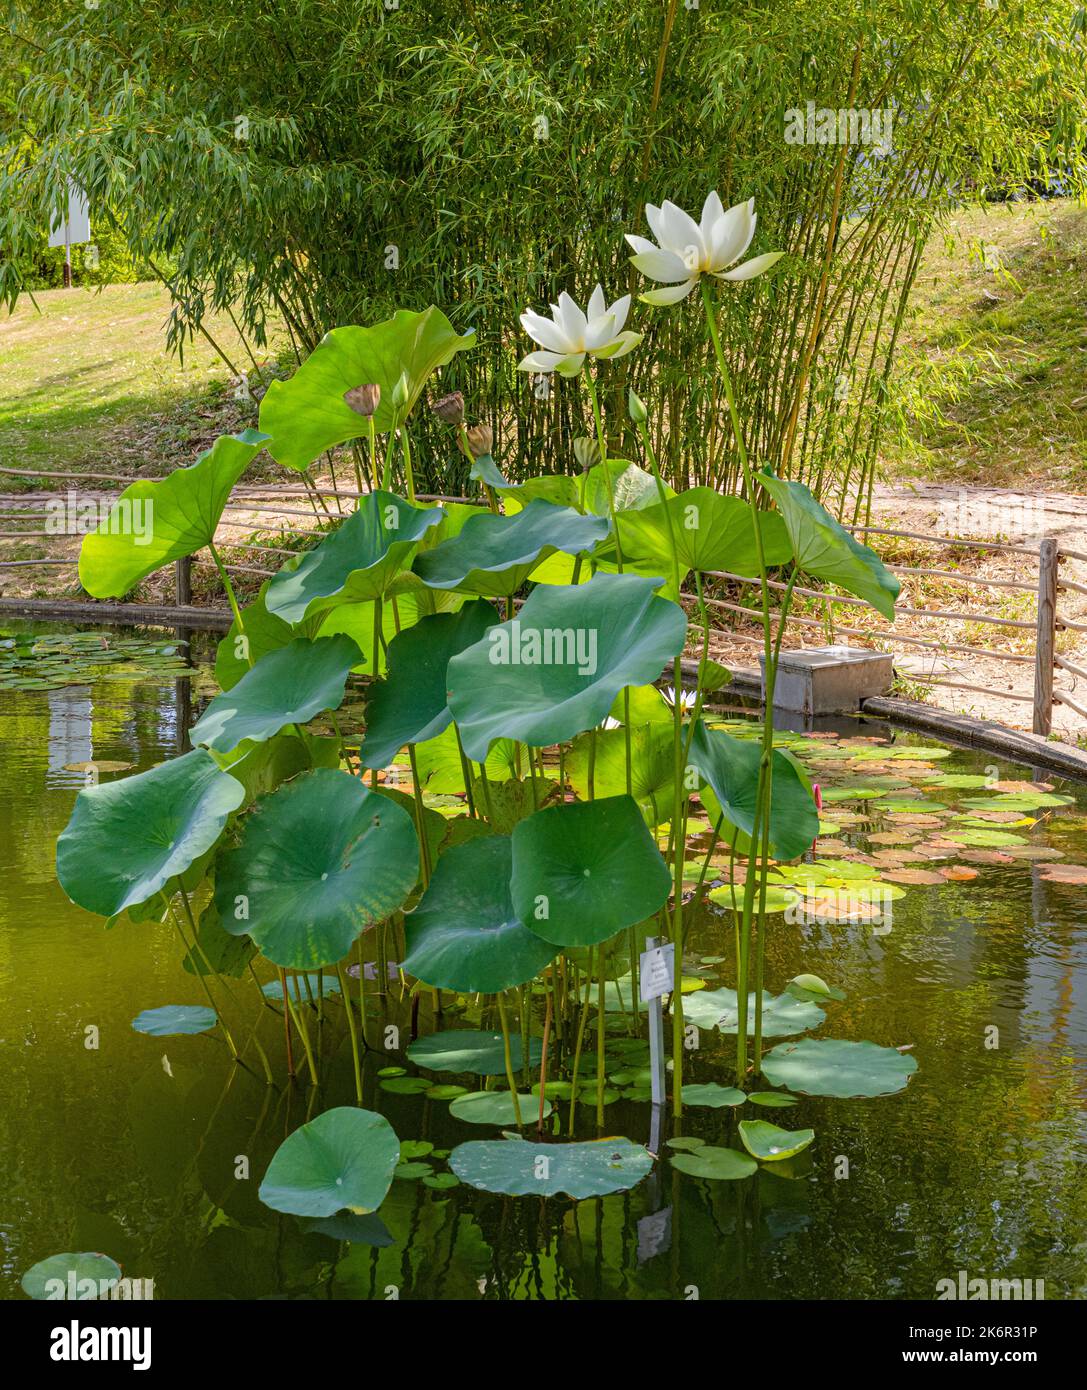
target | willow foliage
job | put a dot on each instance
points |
(329, 161)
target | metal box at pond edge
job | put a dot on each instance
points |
(829, 680)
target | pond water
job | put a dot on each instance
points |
(152, 1149)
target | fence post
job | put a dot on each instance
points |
(183, 570)
(1045, 639)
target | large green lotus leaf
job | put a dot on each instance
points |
(496, 1107)
(632, 487)
(554, 671)
(461, 1050)
(825, 549)
(356, 620)
(439, 765)
(319, 860)
(833, 1067)
(583, 871)
(782, 1014)
(342, 1159)
(715, 1164)
(39, 1282)
(175, 1020)
(494, 555)
(261, 767)
(731, 767)
(289, 686)
(712, 532)
(558, 488)
(652, 766)
(465, 935)
(358, 561)
(127, 839)
(520, 1168)
(264, 632)
(410, 705)
(216, 951)
(154, 522)
(767, 1142)
(307, 413)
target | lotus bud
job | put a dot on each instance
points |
(480, 440)
(364, 400)
(636, 409)
(401, 392)
(450, 409)
(587, 452)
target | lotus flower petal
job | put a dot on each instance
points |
(753, 267)
(671, 294)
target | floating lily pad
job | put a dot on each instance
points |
(343, 1159)
(522, 1168)
(405, 1085)
(773, 1100)
(781, 1014)
(715, 1164)
(709, 1093)
(441, 1181)
(467, 1050)
(173, 1020)
(69, 1271)
(767, 1142)
(496, 1108)
(833, 1067)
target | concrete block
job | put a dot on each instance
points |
(829, 680)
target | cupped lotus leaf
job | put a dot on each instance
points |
(782, 1014)
(833, 1067)
(342, 1159)
(307, 413)
(731, 768)
(319, 860)
(357, 562)
(767, 1142)
(824, 548)
(597, 766)
(496, 1108)
(523, 1168)
(809, 987)
(554, 671)
(175, 1020)
(410, 704)
(714, 1164)
(712, 532)
(126, 840)
(709, 1093)
(583, 871)
(60, 1276)
(494, 555)
(468, 1050)
(288, 686)
(154, 522)
(465, 934)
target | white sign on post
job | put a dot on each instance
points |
(76, 227)
(658, 971)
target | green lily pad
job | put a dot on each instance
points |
(520, 1168)
(782, 1014)
(686, 1142)
(343, 1159)
(495, 1108)
(465, 934)
(832, 1067)
(554, 671)
(411, 1171)
(60, 1275)
(307, 413)
(319, 860)
(461, 1050)
(172, 1020)
(773, 1100)
(288, 686)
(715, 1164)
(180, 512)
(494, 555)
(127, 839)
(445, 1092)
(441, 1181)
(711, 1094)
(767, 1142)
(405, 1085)
(409, 706)
(583, 871)
(415, 1148)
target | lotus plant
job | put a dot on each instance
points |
(687, 250)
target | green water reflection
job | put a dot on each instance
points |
(135, 1147)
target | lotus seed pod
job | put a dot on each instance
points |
(480, 440)
(450, 409)
(364, 400)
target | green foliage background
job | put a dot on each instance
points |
(265, 158)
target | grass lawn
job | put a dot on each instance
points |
(89, 386)
(993, 371)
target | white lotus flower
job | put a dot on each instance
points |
(688, 250)
(687, 698)
(571, 333)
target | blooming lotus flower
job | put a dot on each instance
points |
(687, 698)
(571, 333)
(688, 250)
